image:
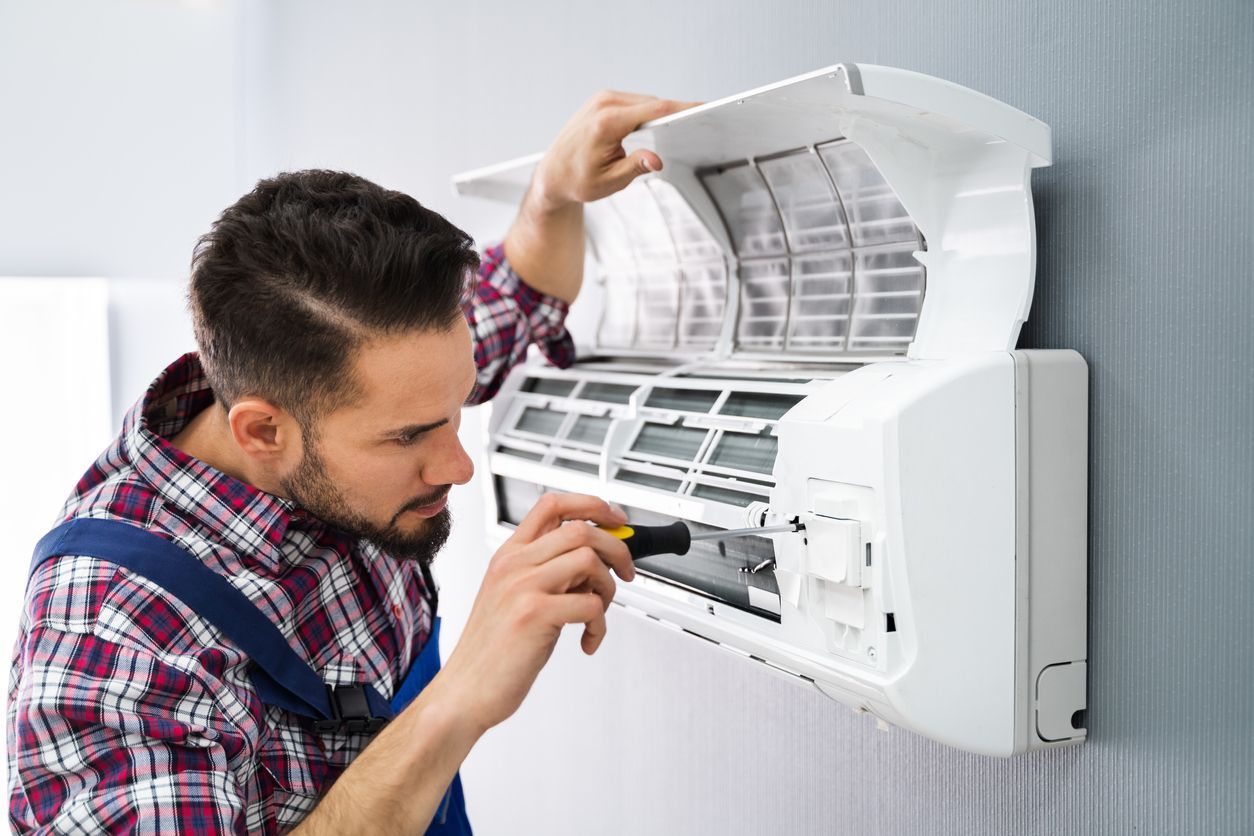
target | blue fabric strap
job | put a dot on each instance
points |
(450, 817)
(280, 676)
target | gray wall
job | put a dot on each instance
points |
(1141, 221)
(1144, 269)
(1142, 237)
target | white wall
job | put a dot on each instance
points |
(121, 138)
(56, 419)
(120, 133)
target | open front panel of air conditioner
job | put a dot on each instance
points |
(810, 314)
(822, 253)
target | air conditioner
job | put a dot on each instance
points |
(811, 314)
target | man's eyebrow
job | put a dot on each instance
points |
(414, 429)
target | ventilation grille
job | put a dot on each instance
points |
(664, 275)
(712, 439)
(711, 443)
(825, 253)
(562, 421)
(824, 249)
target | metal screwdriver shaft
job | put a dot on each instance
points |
(745, 532)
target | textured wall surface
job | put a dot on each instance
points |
(1144, 268)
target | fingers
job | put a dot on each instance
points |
(624, 119)
(609, 549)
(553, 509)
(581, 608)
(578, 569)
(623, 171)
(593, 634)
(620, 97)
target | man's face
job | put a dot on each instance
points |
(382, 466)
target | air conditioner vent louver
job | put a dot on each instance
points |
(746, 452)
(529, 455)
(589, 429)
(682, 400)
(823, 249)
(540, 421)
(562, 422)
(649, 480)
(676, 443)
(826, 253)
(740, 499)
(549, 386)
(665, 276)
(608, 392)
(706, 440)
(575, 464)
(759, 404)
(710, 439)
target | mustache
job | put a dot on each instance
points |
(423, 501)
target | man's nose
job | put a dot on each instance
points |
(451, 465)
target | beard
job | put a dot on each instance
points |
(311, 488)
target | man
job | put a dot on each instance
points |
(305, 456)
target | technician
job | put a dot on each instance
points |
(233, 628)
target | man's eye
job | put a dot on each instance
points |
(406, 440)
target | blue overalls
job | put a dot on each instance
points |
(281, 677)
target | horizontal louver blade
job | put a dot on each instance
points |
(746, 452)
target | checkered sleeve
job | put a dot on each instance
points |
(107, 735)
(506, 316)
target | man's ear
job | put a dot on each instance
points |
(262, 430)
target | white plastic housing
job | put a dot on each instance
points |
(811, 314)
(954, 163)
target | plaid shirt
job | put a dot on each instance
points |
(128, 712)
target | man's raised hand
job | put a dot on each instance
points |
(587, 161)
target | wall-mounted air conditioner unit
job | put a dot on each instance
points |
(811, 313)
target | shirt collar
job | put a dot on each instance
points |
(243, 517)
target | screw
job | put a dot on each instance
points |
(871, 654)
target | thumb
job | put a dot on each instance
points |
(623, 171)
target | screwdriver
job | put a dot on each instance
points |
(676, 538)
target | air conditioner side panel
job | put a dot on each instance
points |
(926, 455)
(953, 454)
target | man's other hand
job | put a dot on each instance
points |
(586, 161)
(553, 571)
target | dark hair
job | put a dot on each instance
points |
(302, 270)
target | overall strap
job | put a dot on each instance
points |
(450, 817)
(282, 678)
(421, 671)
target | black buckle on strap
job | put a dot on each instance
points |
(350, 711)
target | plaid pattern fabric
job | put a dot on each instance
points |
(507, 317)
(128, 712)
